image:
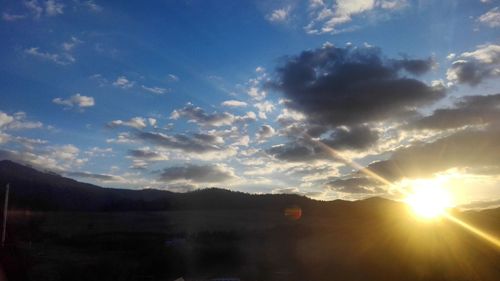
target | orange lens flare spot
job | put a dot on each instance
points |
(294, 213)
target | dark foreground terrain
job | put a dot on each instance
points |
(216, 233)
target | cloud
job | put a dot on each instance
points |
(123, 82)
(17, 122)
(12, 17)
(192, 143)
(234, 103)
(265, 132)
(197, 173)
(53, 8)
(491, 18)
(198, 115)
(327, 18)
(467, 111)
(147, 154)
(71, 44)
(355, 185)
(466, 149)
(264, 107)
(172, 78)
(473, 67)
(62, 58)
(155, 90)
(357, 138)
(351, 86)
(135, 122)
(76, 100)
(35, 8)
(99, 177)
(279, 15)
(92, 6)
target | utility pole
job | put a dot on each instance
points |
(5, 208)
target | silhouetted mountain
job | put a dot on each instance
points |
(36, 190)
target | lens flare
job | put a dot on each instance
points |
(428, 201)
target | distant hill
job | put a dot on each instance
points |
(36, 190)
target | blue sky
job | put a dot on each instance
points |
(181, 95)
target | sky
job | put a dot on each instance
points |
(256, 96)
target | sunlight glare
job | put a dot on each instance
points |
(428, 200)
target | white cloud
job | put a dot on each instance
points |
(62, 59)
(279, 15)
(69, 45)
(172, 78)
(53, 8)
(35, 8)
(265, 132)
(264, 107)
(485, 54)
(91, 5)
(76, 100)
(327, 18)
(234, 103)
(451, 56)
(136, 122)
(491, 18)
(12, 17)
(123, 82)
(155, 90)
(256, 93)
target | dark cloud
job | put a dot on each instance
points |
(357, 138)
(350, 86)
(146, 154)
(342, 138)
(415, 66)
(199, 116)
(196, 173)
(298, 151)
(467, 149)
(100, 177)
(199, 143)
(469, 110)
(355, 185)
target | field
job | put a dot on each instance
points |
(387, 243)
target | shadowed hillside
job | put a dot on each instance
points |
(218, 233)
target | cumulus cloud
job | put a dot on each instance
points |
(17, 121)
(264, 107)
(135, 122)
(351, 86)
(76, 100)
(265, 132)
(491, 18)
(123, 82)
(473, 67)
(328, 17)
(234, 103)
(197, 173)
(279, 15)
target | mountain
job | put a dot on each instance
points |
(45, 191)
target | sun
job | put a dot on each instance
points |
(428, 200)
